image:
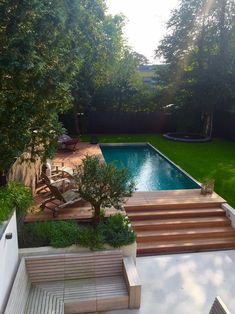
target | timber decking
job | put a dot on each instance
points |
(179, 221)
(173, 199)
(76, 212)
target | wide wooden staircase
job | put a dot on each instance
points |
(181, 227)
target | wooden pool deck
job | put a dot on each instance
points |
(140, 200)
(172, 198)
(71, 159)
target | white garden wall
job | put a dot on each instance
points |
(9, 256)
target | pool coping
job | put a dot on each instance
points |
(159, 152)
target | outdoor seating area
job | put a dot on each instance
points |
(75, 283)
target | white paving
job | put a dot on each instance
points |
(185, 283)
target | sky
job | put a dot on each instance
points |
(146, 22)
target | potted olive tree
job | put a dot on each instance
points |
(103, 185)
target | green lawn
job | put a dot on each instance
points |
(215, 159)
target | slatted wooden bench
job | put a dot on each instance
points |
(75, 283)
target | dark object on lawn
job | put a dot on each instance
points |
(94, 139)
(68, 142)
(187, 137)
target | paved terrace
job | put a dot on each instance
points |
(185, 283)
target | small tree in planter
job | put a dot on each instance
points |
(103, 185)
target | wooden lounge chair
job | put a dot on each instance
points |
(56, 180)
(59, 169)
(67, 198)
(219, 307)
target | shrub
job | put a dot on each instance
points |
(14, 195)
(117, 231)
(91, 238)
(6, 204)
(53, 233)
(21, 195)
(35, 234)
(63, 233)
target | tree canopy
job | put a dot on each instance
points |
(57, 55)
(38, 61)
(200, 52)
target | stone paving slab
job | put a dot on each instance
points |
(185, 283)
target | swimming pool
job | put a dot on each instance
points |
(150, 169)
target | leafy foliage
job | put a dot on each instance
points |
(91, 238)
(57, 55)
(12, 196)
(56, 234)
(38, 60)
(63, 234)
(200, 51)
(103, 185)
(117, 231)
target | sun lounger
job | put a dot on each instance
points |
(67, 198)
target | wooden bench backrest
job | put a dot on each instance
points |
(19, 292)
(72, 266)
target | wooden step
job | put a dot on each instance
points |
(176, 213)
(186, 205)
(184, 234)
(186, 246)
(163, 224)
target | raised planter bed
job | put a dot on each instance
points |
(127, 250)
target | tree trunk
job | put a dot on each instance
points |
(208, 123)
(77, 129)
(96, 215)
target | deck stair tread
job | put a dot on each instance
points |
(175, 213)
(151, 235)
(173, 198)
(179, 221)
(186, 245)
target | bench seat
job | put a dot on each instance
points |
(78, 293)
(75, 283)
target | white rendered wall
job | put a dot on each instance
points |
(230, 212)
(9, 256)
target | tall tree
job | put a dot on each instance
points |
(200, 51)
(38, 61)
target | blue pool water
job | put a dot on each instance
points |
(148, 168)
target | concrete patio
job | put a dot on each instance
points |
(185, 283)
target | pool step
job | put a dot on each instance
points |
(175, 230)
(146, 214)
